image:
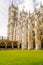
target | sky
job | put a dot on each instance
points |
(4, 5)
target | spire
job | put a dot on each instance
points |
(9, 5)
(12, 3)
(29, 14)
(35, 9)
(23, 8)
(40, 4)
(17, 2)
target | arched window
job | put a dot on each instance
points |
(33, 32)
(41, 33)
(14, 13)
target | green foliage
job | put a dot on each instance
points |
(21, 57)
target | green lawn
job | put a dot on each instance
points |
(21, 57)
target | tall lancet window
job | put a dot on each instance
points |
(14, 13)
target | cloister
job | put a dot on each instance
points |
(7, 44)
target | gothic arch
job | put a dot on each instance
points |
(2, 44)
(15, 45)
(20, 45)
(9, 45)
(33, 32)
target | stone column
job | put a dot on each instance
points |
(12, 45)
(30, 41)
(14, 33)
(24, 41)
(37, 33)
(18, 45)
(6, 45)
(11, 32)
(37, 39)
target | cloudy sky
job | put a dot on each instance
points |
(4, 5)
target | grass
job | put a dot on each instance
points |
(21, 57)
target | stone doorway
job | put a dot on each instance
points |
(9, 45)
(42, 43)
(20, 45)
(15, 45)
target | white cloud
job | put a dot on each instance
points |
(3, 17)
(4, 4)
(29, 4)
(38, 3)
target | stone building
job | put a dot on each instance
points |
(26, 28)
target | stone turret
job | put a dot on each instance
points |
(12, 20)
(30, 41)
(24, 32)
(37, 32)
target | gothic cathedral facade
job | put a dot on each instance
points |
(26, 28)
